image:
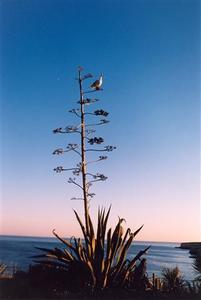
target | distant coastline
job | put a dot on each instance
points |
(193, 247)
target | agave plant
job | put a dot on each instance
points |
(98, 261)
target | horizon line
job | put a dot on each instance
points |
(53, 237)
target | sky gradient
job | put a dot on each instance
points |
(149, 53)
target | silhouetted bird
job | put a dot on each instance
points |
(97, 84)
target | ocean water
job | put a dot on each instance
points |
(17, 252)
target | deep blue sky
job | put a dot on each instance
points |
(149, 53)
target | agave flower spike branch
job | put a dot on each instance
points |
(58, 130)
(71, 180)
(75, 111)
(94, 175)
(58, 151)
(89, 132)
(61, 151)
(91, 195)
(106, 149)
(102, 121)
(70, 147)
(100, 179)
(99, 112)
(68, 129)
(95, 140)
(74, 147)
(99, 176)
(99, 159)
(59, 169)
(76, 171)
(77, 152)
(88, 75)
(88, 101)
(73, 128)
(76, 198)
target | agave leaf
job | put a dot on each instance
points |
(133, 261)
(126, 244)
(98, 226)
(140, 253)
(51, 263)
(126, 235)
(108, 243)
(105, 222)
(91, 227)
(69, 255)
(91, 269)
(123, 243)
(116, 239)
(65, 242)
(136, 232)
(112, 247)
(56, 252)
(123, 250)
(92, 236)
(99, 249)
(59, 252)
(107, 258)
(86, 237)
(78, 247)
(122, 256)
(82, 226)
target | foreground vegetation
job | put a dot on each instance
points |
(44, 282)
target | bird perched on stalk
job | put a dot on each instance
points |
(98, 83)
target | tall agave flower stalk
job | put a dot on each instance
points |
(99, 260)
(85, 131)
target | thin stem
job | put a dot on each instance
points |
(96, 124)
(93, 161)
(89, 182)
(96, 150)
(86, 211)
(77, 152)
(75, 131)
(90, 174)
(77, 184)
(70, 169)
(88, 113)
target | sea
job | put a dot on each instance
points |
(16, 252)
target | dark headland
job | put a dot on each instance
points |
(193, 247)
